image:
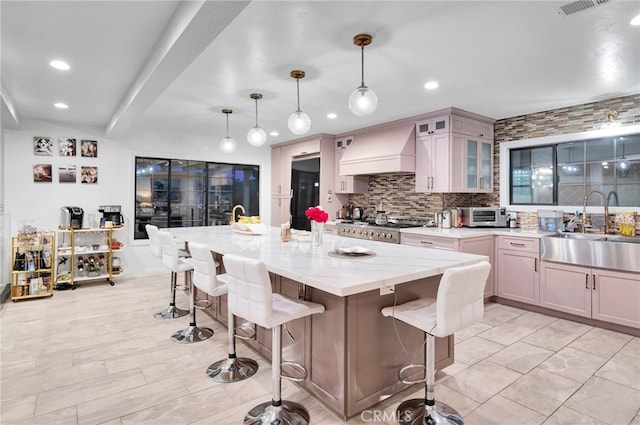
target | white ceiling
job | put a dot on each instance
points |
(170, 66)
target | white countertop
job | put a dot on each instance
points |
(471, 232)
(300, 261)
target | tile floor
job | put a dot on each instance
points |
(96, 355)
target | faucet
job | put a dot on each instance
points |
(233, 213)
(606, 210)
(614, 194)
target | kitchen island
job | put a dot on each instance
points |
(351, 351)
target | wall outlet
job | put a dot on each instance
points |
(386, 290)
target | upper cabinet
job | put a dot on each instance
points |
(281, 170)
(347, 184)
(454, 154)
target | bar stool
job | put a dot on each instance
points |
(459, 303)
(176, 265)
(250, 297)
(204, 277)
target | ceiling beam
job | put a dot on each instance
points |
(194, 25)
(10, 116)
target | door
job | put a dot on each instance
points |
(305, 188)
(565, 288)
(518, 276)
(616, 297)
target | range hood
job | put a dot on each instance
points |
(391, 150)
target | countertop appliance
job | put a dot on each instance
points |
(390, 232)
(71, 217)
(112, 213)
(484, 217)
(305, 190)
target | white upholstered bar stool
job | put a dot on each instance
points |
(250, 297)
(204, 277)
(459, 303)
(175, 264)
(155, 246)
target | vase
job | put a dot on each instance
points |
(317, 229)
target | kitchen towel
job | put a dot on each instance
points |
(626, 222)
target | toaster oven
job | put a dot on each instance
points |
(484, 217)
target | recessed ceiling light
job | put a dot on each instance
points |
(61, 105)
(636, 20)
(61, 65)
(274, 133)
(431, 85)
(332, 115)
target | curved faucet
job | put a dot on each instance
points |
(233, 213)
(606, 210)
(614, 194)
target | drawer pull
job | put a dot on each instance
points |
(427, 242)
(586, 281)
(521, 245)
(594, 282)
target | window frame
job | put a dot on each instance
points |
(505, 165)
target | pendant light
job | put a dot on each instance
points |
(299, 122)
(227, 145)
(623, 165)
(363, 100)
(256, 136)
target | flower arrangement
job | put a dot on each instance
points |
(317, 214)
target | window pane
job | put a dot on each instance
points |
(532, 175)
(627, 170)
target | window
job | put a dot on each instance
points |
(562, 173)
(184, 193)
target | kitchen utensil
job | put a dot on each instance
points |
(381, 218)
(446, 219)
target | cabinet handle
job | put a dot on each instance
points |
(586, 281)
(427, 242)
(594, 282)
(279, 202)
(481, 135)
(279, 189)
(521, 245)
(535, 264)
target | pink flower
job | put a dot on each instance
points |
(317, 214)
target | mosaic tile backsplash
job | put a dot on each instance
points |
(396, 191)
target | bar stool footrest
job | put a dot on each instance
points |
(409, 367)
(247, 327)
(296, 366)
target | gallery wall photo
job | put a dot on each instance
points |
(66, 147)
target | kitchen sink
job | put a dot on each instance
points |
(615, 252)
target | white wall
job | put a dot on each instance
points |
(39, 203)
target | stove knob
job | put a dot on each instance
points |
(341, 230)
(389, 236)
(382, 235)
(370, 233)
(376, 234)
(359, 232)
(353, 231)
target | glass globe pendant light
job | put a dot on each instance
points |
(299, 122)
(256, 136)
(227, 145)
(363, 100)
(623, 165)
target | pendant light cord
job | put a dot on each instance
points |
(362, 63)
(298, 91)
(256, 112)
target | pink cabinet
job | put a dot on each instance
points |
(344, 183)
(518, 269)
(606, 295)
(472, 172)
(433, 163)
(482, 245)
(281, 170)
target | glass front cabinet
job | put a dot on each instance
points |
(473, 164)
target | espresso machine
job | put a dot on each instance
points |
(112, 213)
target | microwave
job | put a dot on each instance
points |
(484, 217)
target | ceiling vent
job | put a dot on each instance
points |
(579, 6)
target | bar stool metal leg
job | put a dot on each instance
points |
(171, 312)
(192, 333)
(277, 411)
(233, 368)
(428, 411)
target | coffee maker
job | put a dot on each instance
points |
(111, 213)
(71, 217)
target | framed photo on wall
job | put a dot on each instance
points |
(89, 175)
(43, 146)
(66, 147)
(67, 174)
(42, 173)
(89, 148)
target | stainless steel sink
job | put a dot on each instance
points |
(602, 251)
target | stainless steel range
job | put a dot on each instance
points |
(389, 232)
